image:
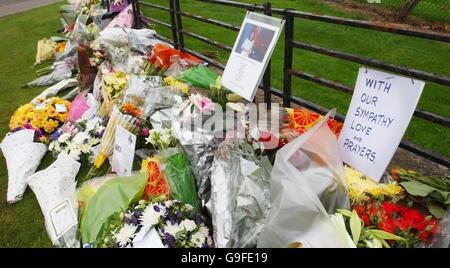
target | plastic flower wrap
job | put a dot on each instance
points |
(175, 166)
(240, 199)
(117, 118)
(99, 203)
(45, 50)
(157, 186)
(113, 86)
(362, 188)
(53, 186)
(301, 120)
(23, 157)
(200, 76)
(46, 114)
(59, 71)
(78, 139)
(178, 225)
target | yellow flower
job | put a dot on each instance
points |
(362, 188)
(172, 82)
(50, 125)
(62, 117)
(51, 111)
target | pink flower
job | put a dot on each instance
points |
(202, 102)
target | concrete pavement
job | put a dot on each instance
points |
(8, 7)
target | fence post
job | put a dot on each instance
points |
(136, 14)
(179, 24)
(407, 9)
(173, 23)
(267, 84)
(288, 38)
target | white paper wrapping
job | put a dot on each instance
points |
(23, 157)
(307, 184)
(52, 186)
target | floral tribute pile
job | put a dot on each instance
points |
(190, 184)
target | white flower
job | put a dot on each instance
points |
(188, 207)
(189, 225)
(168, 203)
(51, 146)
(149, 216)
(80, 137)
(171, 229)
(64, 137)
(203, 230)
(197, 239)
(75, 154)
(85, 148)
(126, 233)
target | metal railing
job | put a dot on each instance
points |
(179, 33)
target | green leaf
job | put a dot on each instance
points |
(437, 211)
(385, 244)
(346, 213)
(388, 236)
(355, 226)
(416, 188)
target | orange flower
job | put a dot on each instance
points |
(24, 120)
(156, 185)
(62, 117)
(129, 108)
(51, 111)
(60, 47)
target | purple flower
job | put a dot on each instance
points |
(137, 123)
(179, 213)
(145, 132)
(156, 208)
(169, 240)
(56, 135)
(197, 218)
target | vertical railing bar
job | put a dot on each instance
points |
(267, 74)
(179, 24)
(288, 49)
(174, 24)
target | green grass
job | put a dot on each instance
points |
(22, 224)
(406, 51)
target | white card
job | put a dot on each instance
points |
(380, 111)
(62, 218)
(60, 108)
(147, 237)
(123, 155)
(40, 106)
(251, 54)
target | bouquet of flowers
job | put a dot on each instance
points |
(301, 120)
(78, 139)
(46, 49)
(431, 191)
(175, 166)
(23, 156)
(113, 86)
(53, 187)
(120, 116)
(408, 223)
(178, 226)
(46, 114)
(101, 202)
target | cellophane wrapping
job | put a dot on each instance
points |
(307, 184)
(240, 197)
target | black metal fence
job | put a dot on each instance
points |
(178, 33)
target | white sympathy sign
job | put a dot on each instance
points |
(380, 111)
(251, 53)
(123, 155)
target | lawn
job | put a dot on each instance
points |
(22, 225)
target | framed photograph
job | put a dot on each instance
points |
(251, 53)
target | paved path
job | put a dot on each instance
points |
(8, 7)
